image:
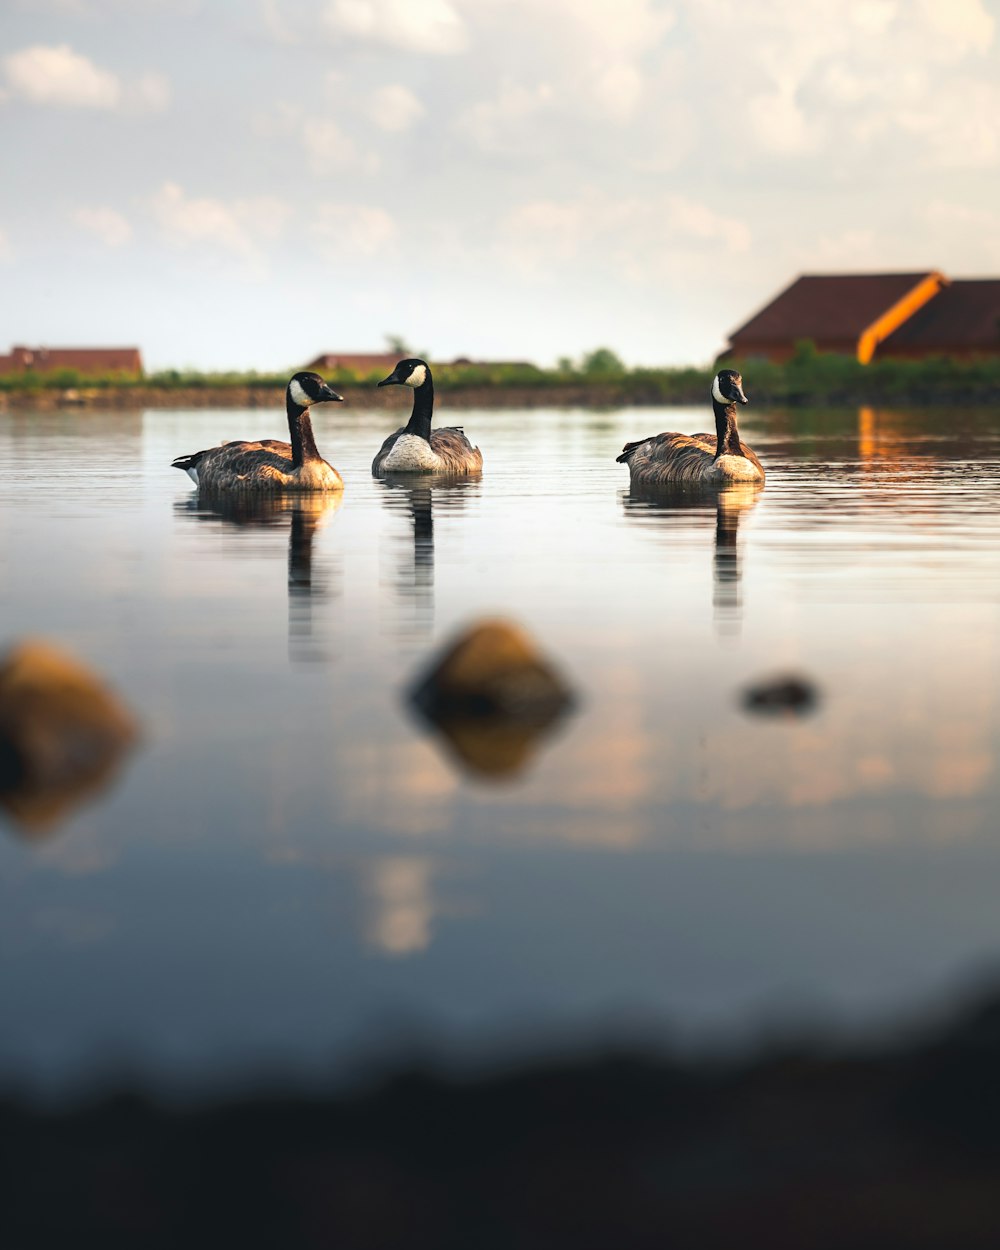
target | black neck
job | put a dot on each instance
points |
(726, 430)
(300, 431)
(423, 408)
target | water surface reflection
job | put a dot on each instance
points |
(292, 834)
(729, 504)
(416, 497)
(305, 515)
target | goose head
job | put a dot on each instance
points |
(309, 388)
(409, 372)
(728, 388)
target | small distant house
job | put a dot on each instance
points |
(361, 364)
(88, 360)
(962, 321)
(465, 363)
(851, 314)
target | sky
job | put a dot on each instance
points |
(247, 183)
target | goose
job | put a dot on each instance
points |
(415, 448)
(721, 457)
(271, 465)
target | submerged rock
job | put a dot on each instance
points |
(493, 696)
(785, 695)
(62, 734)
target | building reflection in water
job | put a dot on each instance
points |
(402, 906)
(417, 498)
(729, 504)
(305, 515)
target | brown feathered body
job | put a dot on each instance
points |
(672, 457)
(267, 465)
(448, 451)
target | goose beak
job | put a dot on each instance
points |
(391, 380)
(329, 395)
(741, 398)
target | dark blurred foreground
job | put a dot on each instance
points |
(889, 1148)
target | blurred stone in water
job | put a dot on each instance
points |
(493, 696)
(786, 695)
(63, 734)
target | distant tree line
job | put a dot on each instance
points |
(599, 376)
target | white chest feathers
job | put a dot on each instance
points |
(731, 468)
(413, 454)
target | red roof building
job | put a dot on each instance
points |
(962, 321)
(361, 364)
(90, 360)
(852, 314)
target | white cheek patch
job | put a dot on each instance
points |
(298, 394)
(717, 394)
(418, 377)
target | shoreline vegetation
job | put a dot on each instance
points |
(599, 380)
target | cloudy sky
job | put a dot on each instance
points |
(245, 183)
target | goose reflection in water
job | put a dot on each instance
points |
(413, 576)
(305, 515)
(729, 504)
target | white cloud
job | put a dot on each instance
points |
(500, 125)
(967, 236)
(866, 73)
(618, 89)
(276, 23)
(638, 237)
(690, 219)
(417, 26)
(395, 108)
(240, 227)
(327, 145)
(564, 61)
(60, 76)
(964, 25)
(871, 17)
(150, 93)
(107, 224)
(353, 229)
(960, 128)
(778, 123)
(850, 249)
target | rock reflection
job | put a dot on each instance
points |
(63, 735)
(413, 575)
(493, 697)
(306, 515)
(787, 695)
(729, 503)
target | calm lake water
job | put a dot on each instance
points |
(293, 874)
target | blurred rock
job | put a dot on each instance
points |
(493, 696)
(63, 734)
(787, 695)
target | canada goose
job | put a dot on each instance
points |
(721, 457)
(415, 448)
(271, 465)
